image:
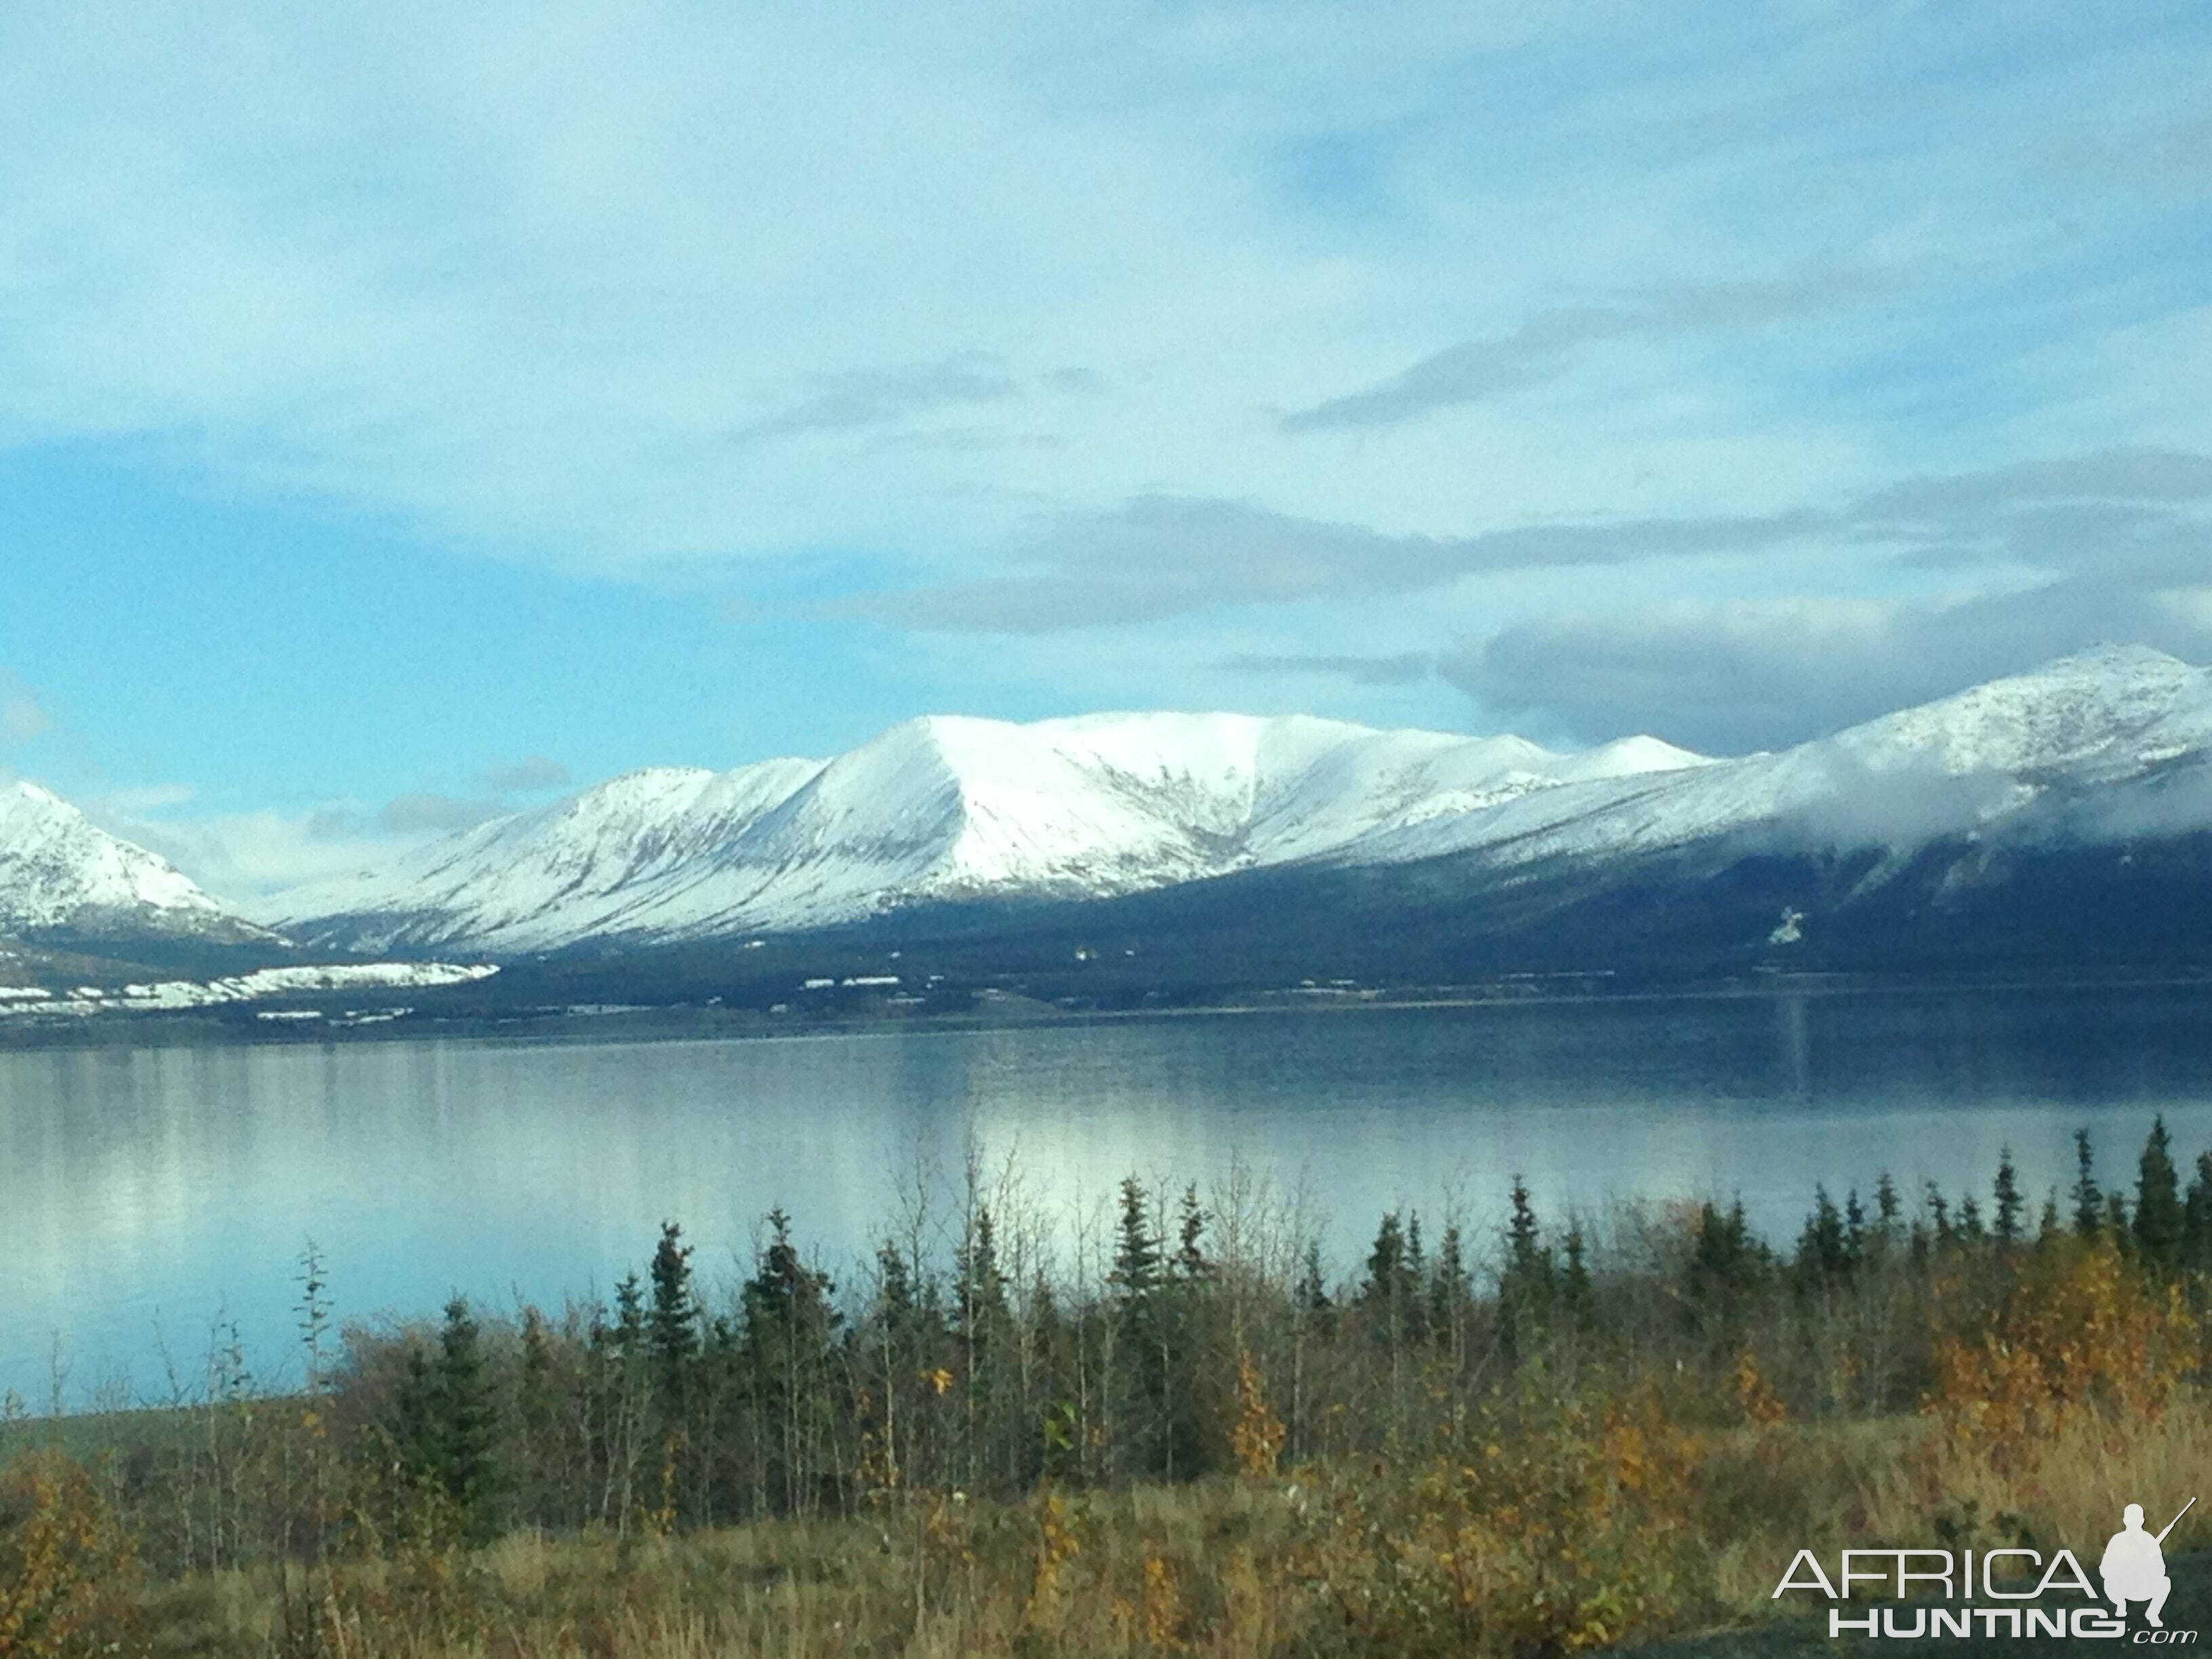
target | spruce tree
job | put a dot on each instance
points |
(982, 1325)
(1525, 1287)
(2118, 1223)
(1386, 1296)
(1823, 1253)
(1939, 1210)
(538, 1408)
(2159, 1222)
(1970, 1228)
(467, 1424)
(1140, 1353)
(1887, 1206)
(1725, 1261)
(629, 1327)
(1451, 1288)
(790, 1329)
(674, 1321)
(1577, 1296)
(2009, 1203)
(2088, 1197)
(2196, 1216)
(1315, 1306)
(980, 1283)
(1137, 1247)
(1190, 1232)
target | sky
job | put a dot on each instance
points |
(410, 412)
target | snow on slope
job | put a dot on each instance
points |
(938, 808)
(1968, 764)
(947, 808)
(169, 995)
(60, 872)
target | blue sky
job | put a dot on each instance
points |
(412, 411)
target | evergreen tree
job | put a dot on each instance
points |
(2116, 1222)
(1525, 1287)
(1823, 1255)
(465, 1423)
(790, 1327)
(2009, 1203)
(1725, 1259)
(1396, 1297)
(979, 1313)
(1970, 1228)
(2159, 1222)
(1939, 1210)
(2196, 1216)
(673, 1323)
(1386, 1265)
(1137, 1249)
(1451, 1289)
(1142, 1338)
(1577, 1296)
(2088, 1197)
(415, 1425)
(629, 1333)
(537, 1411)
(1316, 1306)
(1886, 1208)
(1190, 1255)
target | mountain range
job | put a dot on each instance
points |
(1290, 836)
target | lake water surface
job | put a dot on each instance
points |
(145, 1194)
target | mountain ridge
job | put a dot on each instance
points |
(941, 808)
(949, 809)
(1145, 812)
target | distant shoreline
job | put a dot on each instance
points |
(995, 1009)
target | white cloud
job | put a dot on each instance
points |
(529, 776)
(21, 719)
(684, 281)
(1211, 351)
(243, 856)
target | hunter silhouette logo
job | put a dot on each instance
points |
(2134, 1570)
(2000, 1593)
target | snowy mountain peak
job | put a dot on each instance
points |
(60, 872)
(936, 808)
(2062, 713)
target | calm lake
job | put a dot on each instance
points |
(147, 1194)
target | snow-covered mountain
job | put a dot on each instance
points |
(2110, 743)
(937, 809)
(61, 873)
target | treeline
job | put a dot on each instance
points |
(1005, 1366)
(1595, 1361)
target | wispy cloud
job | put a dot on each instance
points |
(423, 813)
(1550, 341)
(1166, 556)
(2133, 511)
(881, 398)
(21, 719)
(529, 776)
(1404, 669)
